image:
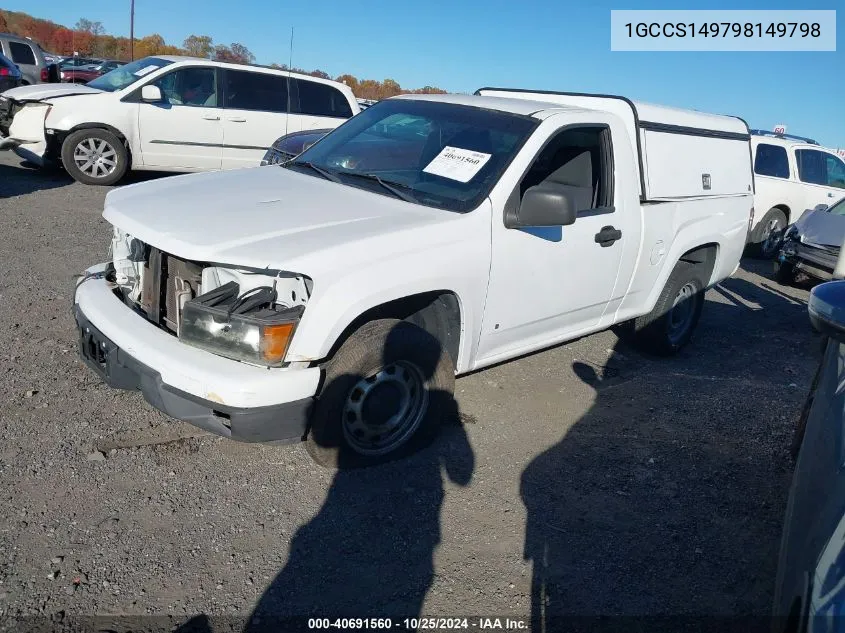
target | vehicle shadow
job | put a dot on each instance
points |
(369, 550)
(25, 178)
(667, 517)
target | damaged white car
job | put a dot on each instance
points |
(166, 113)
(334, 298)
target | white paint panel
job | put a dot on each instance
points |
(678, 166)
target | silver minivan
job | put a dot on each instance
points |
(28, 56)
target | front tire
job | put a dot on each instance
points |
(386, 392)
(95, 157)
(766, 236)
(669, 326)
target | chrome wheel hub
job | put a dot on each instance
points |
(771, 235)
(681, 314)
(95, 157)
(384, 410)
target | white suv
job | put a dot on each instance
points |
(167, 113)
(791, 174)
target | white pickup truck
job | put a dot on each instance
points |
(334, 298)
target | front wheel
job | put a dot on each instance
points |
(767, 235)
(669, 326)
(95, 157)
(386, 392)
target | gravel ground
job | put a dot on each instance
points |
(587, 478)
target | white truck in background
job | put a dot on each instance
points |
(792, 175)
(334, 298)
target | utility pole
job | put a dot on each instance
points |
(131, 30)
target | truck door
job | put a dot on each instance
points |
(550, 283)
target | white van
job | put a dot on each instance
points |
(167, 113)
(792, 174)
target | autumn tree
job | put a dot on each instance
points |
(236, 54)
(90, 37)
(149, 45)
(198, 45)
(350, 81)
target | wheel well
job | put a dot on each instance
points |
(703, 256)
(785, 210)
(101, 126)
(438, 312)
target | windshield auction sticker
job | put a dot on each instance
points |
(458, 164)
(146, 70)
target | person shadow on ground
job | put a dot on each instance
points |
(370, 548)
(660, 508)
(369, 551)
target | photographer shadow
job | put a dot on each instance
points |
(370, 548)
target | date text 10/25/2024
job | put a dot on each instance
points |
(420, 624)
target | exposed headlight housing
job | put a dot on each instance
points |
(791, 232)
(249, 327)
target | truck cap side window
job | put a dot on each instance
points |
(575, 161)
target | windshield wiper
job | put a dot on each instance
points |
(325, 173)
(393, 187)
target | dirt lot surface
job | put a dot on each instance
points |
(586, 479)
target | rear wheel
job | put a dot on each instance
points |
(95, 157)
(766, 237)
(386, 392)
(669, 326)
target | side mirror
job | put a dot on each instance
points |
(542, 206)
(827, 309)
(151, 94)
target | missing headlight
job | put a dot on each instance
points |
(248, 327)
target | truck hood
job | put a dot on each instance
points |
(820, 227)
(48, 91)
(272, 217)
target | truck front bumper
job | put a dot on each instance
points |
(232, 399)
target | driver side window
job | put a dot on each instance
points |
(190, 86)
(578, 162)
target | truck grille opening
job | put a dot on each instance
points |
(169, 282)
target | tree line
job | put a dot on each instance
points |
(89, 38)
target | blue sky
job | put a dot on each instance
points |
(460, 45)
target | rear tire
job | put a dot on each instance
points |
(385, 394)
(669, 326)
(95, 157)
(766, 236)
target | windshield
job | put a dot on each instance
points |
(439, 154)
(124, 76)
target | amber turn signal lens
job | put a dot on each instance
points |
(275, 340)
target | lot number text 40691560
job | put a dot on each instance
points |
(420, 624)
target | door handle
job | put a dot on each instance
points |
(236, 119)
(829, 194)
(607, 236)
(211, 117)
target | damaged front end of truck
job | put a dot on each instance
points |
(244, 314)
